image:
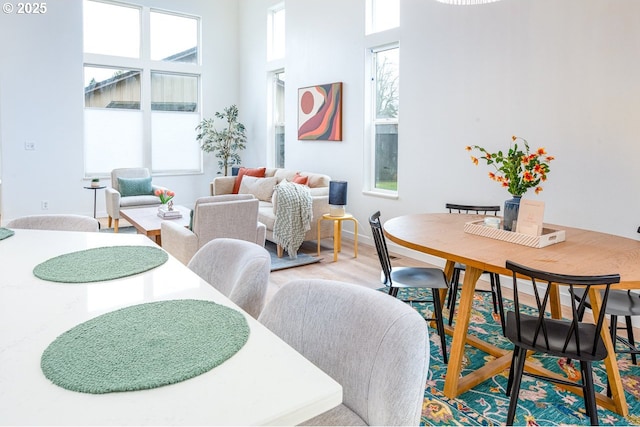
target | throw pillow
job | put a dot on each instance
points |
(261, 188)
(299, 179)
(135, 186)
(259, 172)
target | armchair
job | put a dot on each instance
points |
(130, 188)
(232, 216)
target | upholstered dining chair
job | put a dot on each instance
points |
(65, 222)
(411, 278)
(620, 304)
(232, 215)
(494, 279)
(376, 347)
(238, 269)
(130, 188)
(569, 338)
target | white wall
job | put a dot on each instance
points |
(563, 74)
(41, 101)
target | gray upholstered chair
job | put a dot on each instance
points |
(374, 345)
(237, 268)
(130, 188)
(56, 222)
(233, 216)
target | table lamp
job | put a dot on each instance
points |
(337, 197)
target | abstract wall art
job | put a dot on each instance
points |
(320, 112)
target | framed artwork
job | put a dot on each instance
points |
(320, 112)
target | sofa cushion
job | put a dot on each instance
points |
(135, 186)
(259, 172)
(300, 179)
(260, 188)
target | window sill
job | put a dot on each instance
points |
(391, 196)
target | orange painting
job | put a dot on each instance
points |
(320, 112)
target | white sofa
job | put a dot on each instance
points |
(318, 184)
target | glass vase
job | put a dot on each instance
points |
(511, 208)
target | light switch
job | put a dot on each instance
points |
(28, 145)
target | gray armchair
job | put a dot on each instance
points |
(374, 345)
(232, 216)
(130, 188)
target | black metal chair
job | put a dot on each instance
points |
(566, 338)
(621, 303)
(411, 277)
(494, 279)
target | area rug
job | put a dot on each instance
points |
(99, 264)
(540, 402)
(145, 346)
(285, 261)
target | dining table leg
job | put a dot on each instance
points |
(463, 316)
(613, 374)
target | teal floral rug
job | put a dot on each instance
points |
(540, 402)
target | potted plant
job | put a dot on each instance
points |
(225, 143)
(95, 182)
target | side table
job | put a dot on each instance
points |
(337, 233)
(95, 194)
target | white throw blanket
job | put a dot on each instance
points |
(294, 211)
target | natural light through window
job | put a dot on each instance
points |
(276, 33)
(142, 102)
(382, 15)
(165, 46)
(111, 29)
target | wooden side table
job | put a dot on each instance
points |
(337, 233)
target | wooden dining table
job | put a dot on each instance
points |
(584, 252)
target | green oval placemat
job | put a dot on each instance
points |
(5, 232)
(98, 264)
(145, 346)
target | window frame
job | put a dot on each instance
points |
(373, 121)
(147, 66)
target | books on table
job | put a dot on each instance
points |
(165, 213)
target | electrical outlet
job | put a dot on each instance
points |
(45, 205)
(29, 145)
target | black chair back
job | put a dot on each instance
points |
(381, 247)
(563, 338)
(477, 209)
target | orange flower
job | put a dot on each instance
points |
(517, 169)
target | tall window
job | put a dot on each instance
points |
(141, 89)
(276, 101)
(275, 32)
(382, 15)
(278, 118)
(385, 108)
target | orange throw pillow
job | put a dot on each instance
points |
(257, 172)
(299, 179)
